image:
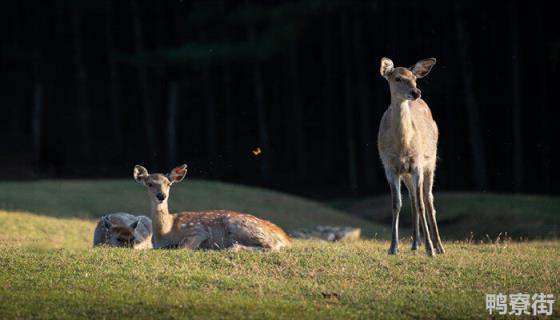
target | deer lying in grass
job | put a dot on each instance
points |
(407, 144)
(123, 230)
(221, 229)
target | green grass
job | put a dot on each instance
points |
(90, 199)
(459, 214)
(49, 270)
(309, 280)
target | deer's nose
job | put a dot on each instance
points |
(416, 93)
(160, 196)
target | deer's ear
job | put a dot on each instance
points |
(178, 173)
(387, 67)
(423, 67)
(133, 225)
(140, 174)
(106, 222)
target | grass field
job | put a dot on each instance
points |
(49, 270)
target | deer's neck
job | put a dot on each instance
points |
(401, 119)
(162, 220)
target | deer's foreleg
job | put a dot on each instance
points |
(396, 204)
(194, 238)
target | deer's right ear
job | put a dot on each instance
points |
(387, 67)
(133, 225)
(178, 174)
(140, 174)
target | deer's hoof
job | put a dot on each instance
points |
(393, 251)
(430, 252)
(440, 250)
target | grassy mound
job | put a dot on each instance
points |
(472, 215)
(90, 199)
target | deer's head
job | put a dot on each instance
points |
(402, 81)
(158, 184)
(133, 235)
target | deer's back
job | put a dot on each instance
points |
(225, 228)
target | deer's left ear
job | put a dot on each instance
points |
(106, 222)
(178, 173)
(423, 67)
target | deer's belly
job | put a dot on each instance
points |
(405, 163)
(217, 239)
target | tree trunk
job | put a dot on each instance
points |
(392, 29)
(329, 126)
(296, 115)
(114, 89)
(210, 110)
(84, 117)
(172, 126)
(261, 118)
(16, 112)
(145, 97)
(261, 107)
(471, 103)
(36, 123)
(545, 156)
(448, 140)
(368, 137)
(230, 113)
(349, 103)
(517, 98)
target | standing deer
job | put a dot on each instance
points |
(220, 229)
(407, 143)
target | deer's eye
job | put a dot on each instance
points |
(397, 79)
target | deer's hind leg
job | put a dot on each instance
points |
(416, 243)
(431, 211)
(417, 184)
(236, 247)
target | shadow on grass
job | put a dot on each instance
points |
(472, 215)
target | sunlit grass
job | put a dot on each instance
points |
(310, 280)
(48, 268)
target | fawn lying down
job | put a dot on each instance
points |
(219, 229)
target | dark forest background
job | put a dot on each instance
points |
(92, 87)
